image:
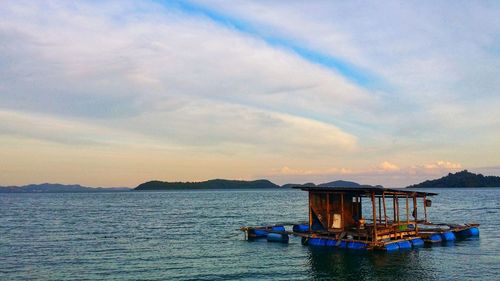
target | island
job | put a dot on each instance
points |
(460, 179)
(337, 183)
(209, 184)
(57, 188)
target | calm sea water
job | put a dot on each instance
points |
(193, 235)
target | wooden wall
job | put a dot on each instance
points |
(325, 205)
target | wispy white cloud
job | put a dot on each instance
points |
(215, 78)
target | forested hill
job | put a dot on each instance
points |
(461, 179)
(210, 184)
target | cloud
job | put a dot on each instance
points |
(385, 173)
(441, 74)
(387, 166)
(264, 85)
(300, 172)
(443, 165)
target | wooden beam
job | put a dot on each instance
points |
(374, 217)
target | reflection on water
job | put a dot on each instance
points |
(340, 264)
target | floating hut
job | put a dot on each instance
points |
(366, 217)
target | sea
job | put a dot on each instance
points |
(194, 235)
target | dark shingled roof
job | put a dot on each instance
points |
(365, 189)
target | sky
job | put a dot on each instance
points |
(116, 93)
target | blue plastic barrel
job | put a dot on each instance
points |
(331, 243)
(474, 231)
(448, 236)
(278, 228)
(404, 245)
(357, 245)
(342, 244)
(417, 242)
(391, 246)
(257, 233)
(300, 228)
(317, 242)
(434, 238)
(277, 237)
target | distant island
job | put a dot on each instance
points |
(234, 184)
(460, 179)
(57, 188)
(164, 185)
(337, 183)
(209, 184)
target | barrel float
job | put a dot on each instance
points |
(356, 245)
(257, 233)
(417, 242)
(404, 245)
(434, 238)
(448, 236)
(277, 237)
(342, 244)
(391, 247)
(300, 228)
(278, 228)
(473, 231)
(317, 242)
(331, 243)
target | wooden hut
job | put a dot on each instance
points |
(366, 213)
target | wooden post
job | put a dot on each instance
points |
(397, 208)
(425, 208)
(415, 218)
(374, 217)
(327, 211)
(394, 207)
(342, 210)
(358, 208)
(407, 211)
(310, 212)
(385, 211)
(379, 210)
